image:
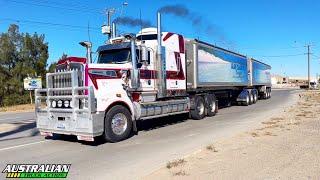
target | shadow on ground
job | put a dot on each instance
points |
(146, 125)
(22, 127)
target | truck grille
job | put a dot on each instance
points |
(63, 79)
(65, 93)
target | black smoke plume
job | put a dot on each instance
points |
(132, 22)
(197, 21)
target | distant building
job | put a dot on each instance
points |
(277, 79)
(301, 80)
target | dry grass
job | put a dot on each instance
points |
(272, 126)
(269, 134)
(179, 173)
(175, 163)
(18, 108)
(269, 122)
(277, 119)
(308, 112)
(306, 104)
(269, 127)
(253, 134)
(211, 148)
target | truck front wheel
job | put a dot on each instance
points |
(211, 105)
(199, 108)
(117, 124)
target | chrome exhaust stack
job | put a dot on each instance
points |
(88, 46)
(114, 30)
(135, 81)
(161, 64)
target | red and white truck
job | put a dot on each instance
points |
(138, 77)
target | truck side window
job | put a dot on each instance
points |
(138, 57)
(139, 63)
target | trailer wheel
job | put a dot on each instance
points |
(255, 97)
(211, 105)
(117, 124)
(251, 96)
(269, 93)
(247, 99)
(265, 95)
(199, 111)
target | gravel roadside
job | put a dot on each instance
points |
(286, 146)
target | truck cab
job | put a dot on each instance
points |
(133, 79)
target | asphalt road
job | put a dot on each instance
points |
(159, 141)
(16, 117)
(25, 122)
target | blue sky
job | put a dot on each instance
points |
(273, 31)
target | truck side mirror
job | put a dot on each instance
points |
(144, 53)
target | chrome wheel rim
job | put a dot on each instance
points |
(119, 123)
(213, 106)
(201, 108)
(255, 97)
(248, 100)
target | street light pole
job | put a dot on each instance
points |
(308, 66)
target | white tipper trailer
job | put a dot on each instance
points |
(148, 75)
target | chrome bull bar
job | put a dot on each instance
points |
(75, 105)
(71, 93)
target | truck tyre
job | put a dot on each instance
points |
(211, 105)
(265, 95)
(255, 97)
(269, 93)
(199, 110)
(117, 124)
(247, 100)
(251, 96)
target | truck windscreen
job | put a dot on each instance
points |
(114, 56)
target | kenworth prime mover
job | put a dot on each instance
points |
(148, 75)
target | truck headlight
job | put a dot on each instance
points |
(59, 103)
(54, 104)
(66, 103)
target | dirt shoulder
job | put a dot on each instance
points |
(286, 146)
(18, 108)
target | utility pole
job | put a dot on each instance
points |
(308, 53)
(309, 66)
(107, 29)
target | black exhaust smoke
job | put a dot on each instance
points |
(181, 11)
(197, 21)
(132, 22)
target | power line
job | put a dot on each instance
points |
(50, 24)
(278, 56)
(278, 48)
(315, 56)
(76, 6)
(78, 10)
